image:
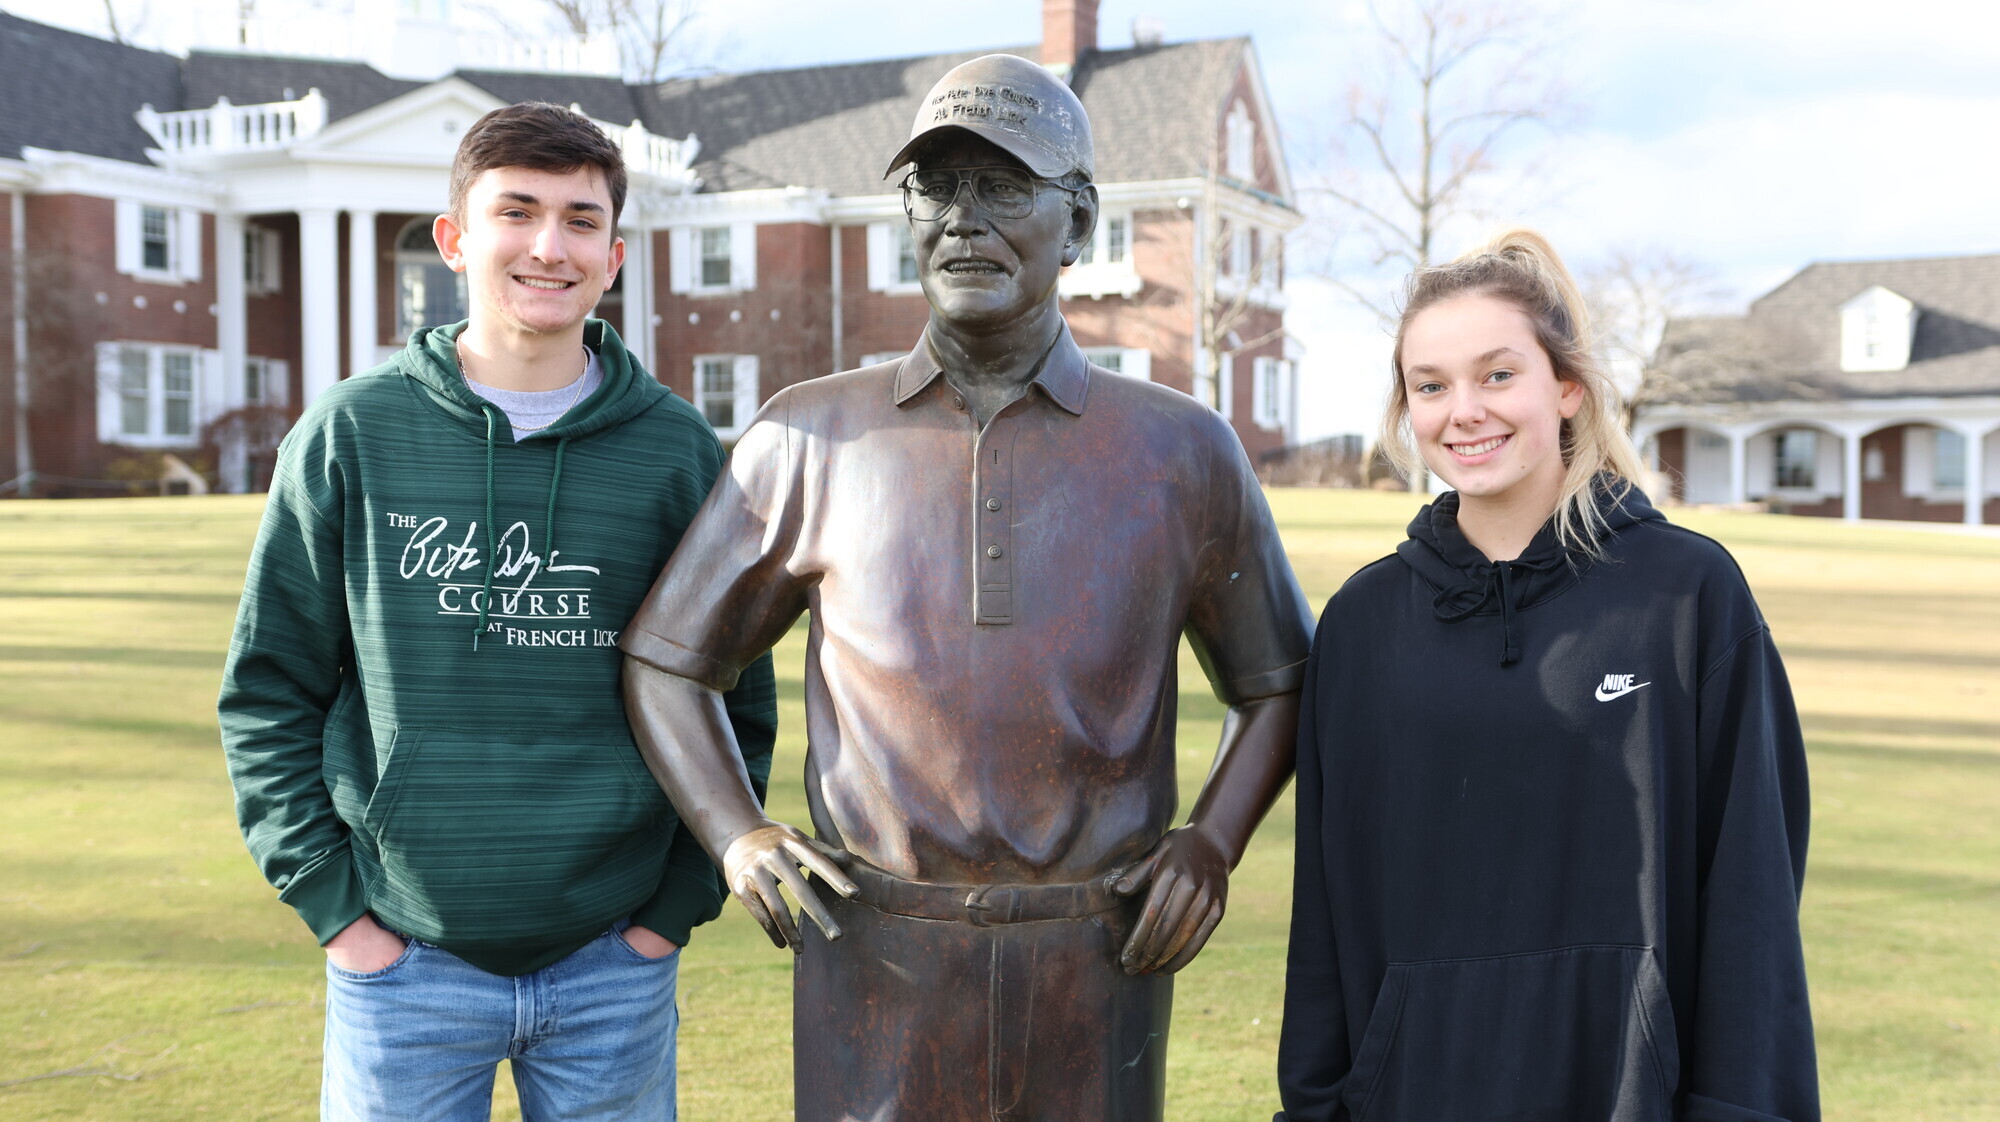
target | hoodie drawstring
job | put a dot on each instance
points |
(549, 523)
(486, 597)
(492, 548)
(1461, 600)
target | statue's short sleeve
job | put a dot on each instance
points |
(730, 589)
(1247, 619)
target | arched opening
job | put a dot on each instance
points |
(1796, 469)
(428, 292)
(1693, 461)
(1913, 472)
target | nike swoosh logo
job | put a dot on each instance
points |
(1614, 695)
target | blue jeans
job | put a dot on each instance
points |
(591, 1037)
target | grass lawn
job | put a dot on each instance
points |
(147, 972)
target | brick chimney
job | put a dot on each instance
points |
(1069, 31)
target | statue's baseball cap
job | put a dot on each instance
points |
(1017, 105)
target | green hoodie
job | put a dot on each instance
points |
(421, 710)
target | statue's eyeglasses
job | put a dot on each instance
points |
(1002, 192)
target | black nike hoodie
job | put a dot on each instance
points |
(1551, 835)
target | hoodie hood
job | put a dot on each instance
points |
(1468, 584)
(431, 360)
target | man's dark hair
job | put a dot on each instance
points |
(539, 136)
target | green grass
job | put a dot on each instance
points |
(147, 972)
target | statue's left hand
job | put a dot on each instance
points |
(1189, 877)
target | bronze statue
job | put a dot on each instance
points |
(1000, 545)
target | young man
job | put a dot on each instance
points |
(421, 709)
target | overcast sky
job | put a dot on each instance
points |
(1752, 136)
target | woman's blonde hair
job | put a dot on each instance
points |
(1520, 267)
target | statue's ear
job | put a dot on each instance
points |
(1082, 224)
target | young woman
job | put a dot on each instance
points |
(1551, 788)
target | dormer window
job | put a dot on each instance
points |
(1242, 140)
(1876, 329)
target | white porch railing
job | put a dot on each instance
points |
(222, 127)
(277, 125)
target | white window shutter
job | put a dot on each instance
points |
(1225, 388)
(187, 244)
(881, 257)
(680, 259)
(277, 381)
(212, 395)
(1260, 405)
(126, 222)
(747, 400)
(743, 256)
(109, 417)
(1138, 364)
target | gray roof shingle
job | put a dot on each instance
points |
(834, 126)
(1795, 331)
(71, 92)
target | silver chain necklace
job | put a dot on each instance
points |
(458, 352)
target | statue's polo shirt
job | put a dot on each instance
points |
(990, 679)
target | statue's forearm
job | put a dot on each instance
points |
(684, 735)
(1252, 765)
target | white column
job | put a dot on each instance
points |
(232, 327)
(1975, 487)
(361, 289)
(1739, 469)
(1850, 476)
(319, 301)
(638, 273)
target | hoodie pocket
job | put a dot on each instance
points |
(486, 836)
(1580, 1032)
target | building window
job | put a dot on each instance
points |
(135, 392)
(715, 257)
(149, 394)
(725, 390)
(1268, 391)
(157, 243)
(428, 292)
(1797, 457)
(1947, 460)
(1129, 361)
(906, 253)
(1110, 244)
(263, 381)
(156, 246)
(1242, 143)
(177, 393)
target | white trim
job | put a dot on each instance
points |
(764, 207)
(72, 173)
(884, 259)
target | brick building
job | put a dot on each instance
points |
(198, 246)
(1856, 389)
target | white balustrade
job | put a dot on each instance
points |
(222, 127)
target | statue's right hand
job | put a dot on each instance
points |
(758, 862)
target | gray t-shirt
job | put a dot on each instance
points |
(532, 411)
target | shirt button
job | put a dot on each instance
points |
(993, 551)
(993, 504)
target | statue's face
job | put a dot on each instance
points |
(979, 269)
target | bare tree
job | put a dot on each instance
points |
(1425, 127)
(128, 30)
(653, 36)
(1633, 293)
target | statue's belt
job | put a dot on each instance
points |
(981, 905)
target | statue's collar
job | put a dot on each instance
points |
(1064, 376)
